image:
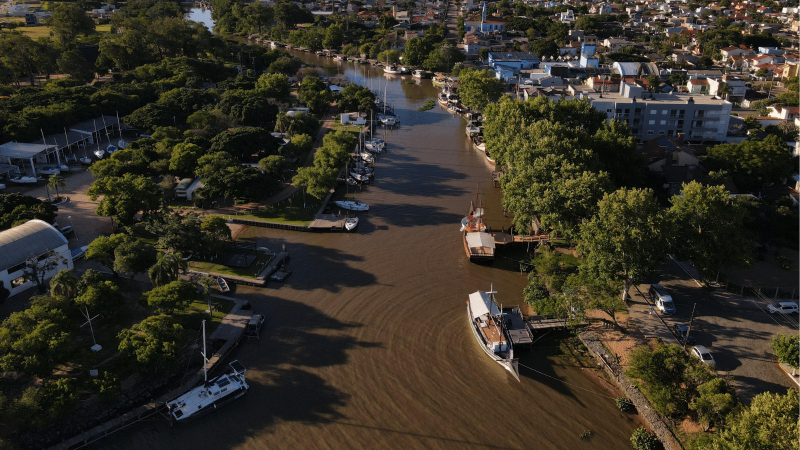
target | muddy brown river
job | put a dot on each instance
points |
(367, 344)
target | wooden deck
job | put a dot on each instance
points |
(502, 238)
(328, 222)
(539, 323)
(492, 333)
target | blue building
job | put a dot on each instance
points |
(589, 52)
(515, 61)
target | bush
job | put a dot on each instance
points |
(641, 439)
(624, 404)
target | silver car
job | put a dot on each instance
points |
(704, 355)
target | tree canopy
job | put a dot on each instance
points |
(153, 342)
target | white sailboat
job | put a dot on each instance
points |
(211, 394)
(352, 205)
(488, 326)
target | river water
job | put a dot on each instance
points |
(367, 344)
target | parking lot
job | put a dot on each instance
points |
(737, 331)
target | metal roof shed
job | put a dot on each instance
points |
(22, 151)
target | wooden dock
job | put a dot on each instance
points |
(502, 238)
(537, 324)
(328, 222)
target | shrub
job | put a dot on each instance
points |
(624, 404)
(641, 439)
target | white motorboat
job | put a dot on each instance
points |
(405, 70)
(86, 160)
(488, 325)
(373, 147)
(48, 170)
(359, 177)
(392, 70)
(472, 130)
(389, 120)
(351, 181)
(418, 74)
(212, 394)
(366, 157)
(351, 223)
(352, 205)
(22, 179)
(223, 285)
(111, 149)
(99, 153)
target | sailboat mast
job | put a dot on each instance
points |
(205, 360)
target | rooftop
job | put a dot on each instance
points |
(30, 239)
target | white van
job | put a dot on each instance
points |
(661, 299)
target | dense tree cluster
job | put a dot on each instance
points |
(328, 160)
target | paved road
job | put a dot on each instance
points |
(738, 332)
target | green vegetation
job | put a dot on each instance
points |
(16, 209)
(429, 104)
(262, 259)
(787, 349)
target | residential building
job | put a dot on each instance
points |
(787, 113)
(615, 45)
(589, 52)
(514, 60)
(673, 162)
(702, 118)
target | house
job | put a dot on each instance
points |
(736, 87)
(353, 119)
(615, 45)
(787, 113)
(514, 60)
(698, 86)
(790, 70)
(567, 16)
(673, 162)
(33, 240)
(727, 52)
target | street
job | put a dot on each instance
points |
(737, 331)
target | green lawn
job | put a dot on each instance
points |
(244, 272)
(288, 211)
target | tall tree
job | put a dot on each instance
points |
(478, 88)
(56, 181)
(626, 240)
(133, 257)
(770, 422)
(315, 94)
(153, 342)
(167, 268)
(753, 162)
(102, 249)
(171, 296)
(710, 228)
(124, 197)
(68, 21)
(273, 85)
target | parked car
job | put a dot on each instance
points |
(681, 331)
(662, 299)
(78, 253)
(783, 307)
(66, 230)
(704, 355)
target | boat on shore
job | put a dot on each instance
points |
(488, 325)
(22, 179)
(99, 153)
(212, 394)
(392, 70)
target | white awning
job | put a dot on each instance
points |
(480, 239)
(480, 304)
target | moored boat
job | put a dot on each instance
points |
(99, 153)
(418, 74)
(479, 246)
(351, 223)
(392, 70)
(48, 170)
(212, 394)
(488, 325)
(352, 205)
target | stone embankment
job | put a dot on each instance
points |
(652, 418)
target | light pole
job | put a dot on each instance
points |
(74, 231)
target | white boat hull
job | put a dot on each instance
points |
(352, 205)
(510, 365)
(351, 223)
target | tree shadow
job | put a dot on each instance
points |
(411, 215)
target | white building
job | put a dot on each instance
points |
(33, 239)
(698, 118)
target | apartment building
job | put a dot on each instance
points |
(698, 118)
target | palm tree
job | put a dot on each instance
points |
(209, 284)
(64, 284)
(724, 90)
(55, 182)
(166, 269)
